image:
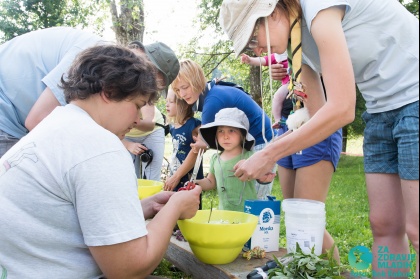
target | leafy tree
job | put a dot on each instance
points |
(127, 20)
(412, 6)
(218, 60)
(219, 57)
(19, 17)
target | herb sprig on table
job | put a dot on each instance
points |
(299, 265)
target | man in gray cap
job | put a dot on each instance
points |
(163, 57)
(146, 141)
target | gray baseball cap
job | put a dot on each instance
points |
(164, 58)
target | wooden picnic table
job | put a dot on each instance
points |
(179, 254)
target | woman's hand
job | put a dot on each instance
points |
(198, 144)
(257, 166)
(188, 202)
(153, 204)
(266, 178)
(278, 72)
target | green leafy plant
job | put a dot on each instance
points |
(299, 265)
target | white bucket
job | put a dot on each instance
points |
(305, 224)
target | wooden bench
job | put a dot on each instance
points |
(179, 254)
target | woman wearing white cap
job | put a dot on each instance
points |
(373, 43)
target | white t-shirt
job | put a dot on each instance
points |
(67, 185)
(383, 41)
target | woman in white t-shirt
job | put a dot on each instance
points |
(373, 44)
(68, 191)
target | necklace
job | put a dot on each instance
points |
(224, 178)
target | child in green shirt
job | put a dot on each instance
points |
(229, 135)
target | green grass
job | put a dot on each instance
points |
(347, 208)
(346, 205)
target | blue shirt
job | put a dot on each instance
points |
(217, 97)
(30, 63)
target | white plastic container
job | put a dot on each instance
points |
(305, 222)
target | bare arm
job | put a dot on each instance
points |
(253, 61)
(134, 147)
(278, 100)
(185, 167)
(146, 123)
(207, 183)
(139, 257)
(45, 104)
(326, 118)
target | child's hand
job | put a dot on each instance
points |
(171, 183)
(245, 58)
(276, 125)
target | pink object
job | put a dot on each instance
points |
(285, 64)
(286, 79)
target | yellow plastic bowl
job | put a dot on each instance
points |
(147, 188)
(221, 240)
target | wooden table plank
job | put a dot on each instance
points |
(179, 254)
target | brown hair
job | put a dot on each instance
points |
(290, 6)
(184, 111)
(114, 70)
(193, 74)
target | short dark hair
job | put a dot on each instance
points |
(115, 70)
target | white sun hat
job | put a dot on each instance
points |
(231, 117)
(238, 19)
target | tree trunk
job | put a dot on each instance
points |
(255, 84)
(128, 21)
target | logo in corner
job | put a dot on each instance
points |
(360, 257)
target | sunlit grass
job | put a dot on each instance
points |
(347, 206)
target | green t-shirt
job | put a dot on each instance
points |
(232, 192)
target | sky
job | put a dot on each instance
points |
(168, 21)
